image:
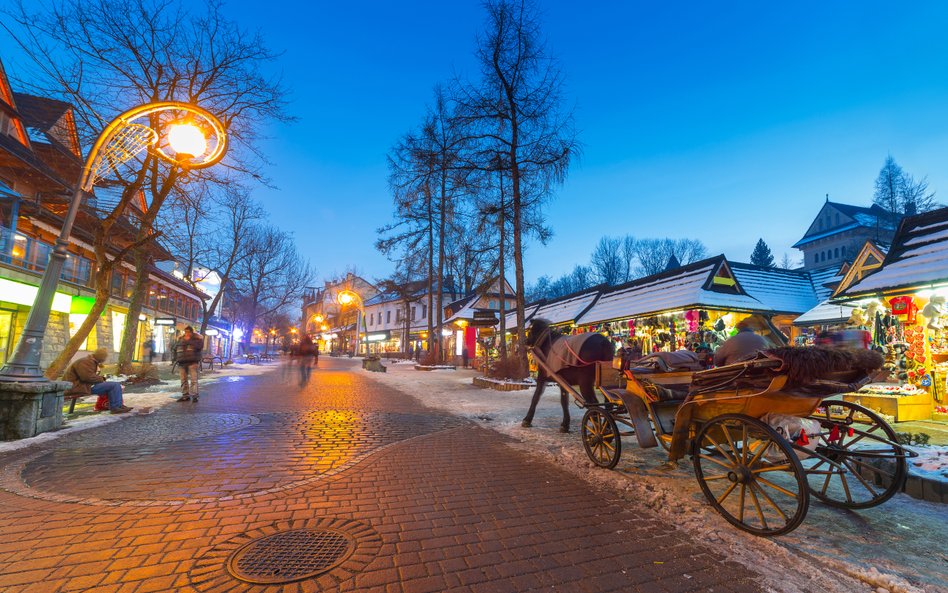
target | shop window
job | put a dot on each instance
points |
(118, 329)
(77, 319)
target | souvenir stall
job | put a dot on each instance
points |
(902, 307)
(695, 307)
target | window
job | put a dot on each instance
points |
(388, 317)
(424, 311)
(836, 252)
(413, 313)
(398, 315)
(117, 282)
(837, 219)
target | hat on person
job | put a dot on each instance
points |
(189, 329)
(101, 354)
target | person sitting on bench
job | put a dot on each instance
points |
(86, 380)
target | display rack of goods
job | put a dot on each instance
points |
(902, 403)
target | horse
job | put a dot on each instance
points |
(572, 358)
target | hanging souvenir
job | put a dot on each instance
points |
(904, 308)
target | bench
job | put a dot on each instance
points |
(72, 400)
(210, 360)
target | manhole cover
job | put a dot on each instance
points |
(290, 556)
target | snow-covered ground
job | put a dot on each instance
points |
(145, 402)
(899, 546)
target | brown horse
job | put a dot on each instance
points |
(577, 367)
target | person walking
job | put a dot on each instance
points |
(188, 356)
(86, 380)
(306, 355)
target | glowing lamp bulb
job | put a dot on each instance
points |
(187, 139)
(345, 298)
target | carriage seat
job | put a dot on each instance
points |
(667, 362)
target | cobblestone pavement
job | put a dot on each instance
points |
(344, 485)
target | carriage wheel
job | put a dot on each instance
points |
(753, 478)
(601, 438)
(871, 465)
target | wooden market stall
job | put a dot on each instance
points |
(903, 305)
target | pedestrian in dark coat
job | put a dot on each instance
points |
(188, 356)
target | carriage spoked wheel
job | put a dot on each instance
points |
(601, 438)
(868, 466)
(753, 477)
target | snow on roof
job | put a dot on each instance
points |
(785, 291)
(566, 310)
(820, 278)
(465, 312)
(667, 293)
(919, 256)
(825, 312)
(510, 319)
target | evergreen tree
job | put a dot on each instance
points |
(762, 255)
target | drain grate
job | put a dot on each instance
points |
(290, 556)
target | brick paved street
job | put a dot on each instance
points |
(429, 501)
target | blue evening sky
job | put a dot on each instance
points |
(722, 121)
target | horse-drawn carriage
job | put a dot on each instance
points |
(762, 434)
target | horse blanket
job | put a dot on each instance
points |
(565, 352)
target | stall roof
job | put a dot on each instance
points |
(566, 310)
(784, 291)
(690, 286)
(824, 282)
(825, 312)
(511, 318)
(918, 257)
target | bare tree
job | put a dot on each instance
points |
(900, 193)
(516, 111)
(653, 255)
(104, 56)
(270, 278)
(207, 231)
(608, 263)
(786, 263)
(427, 180)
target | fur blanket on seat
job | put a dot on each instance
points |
(805, 365)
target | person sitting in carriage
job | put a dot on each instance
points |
(741, 345)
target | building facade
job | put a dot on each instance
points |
(40, 160)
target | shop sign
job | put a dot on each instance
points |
(211, 331)
(164, 321)
(25, 294)
(378, 336)
(484, 319)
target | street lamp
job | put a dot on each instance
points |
(347, 298)
(121, 140)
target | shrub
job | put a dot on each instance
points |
(144, 374)
(429, 359)
(909, 438)
(508, 368)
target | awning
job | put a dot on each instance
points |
(825, 313)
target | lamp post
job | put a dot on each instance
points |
(346, 298)
(118, 142)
